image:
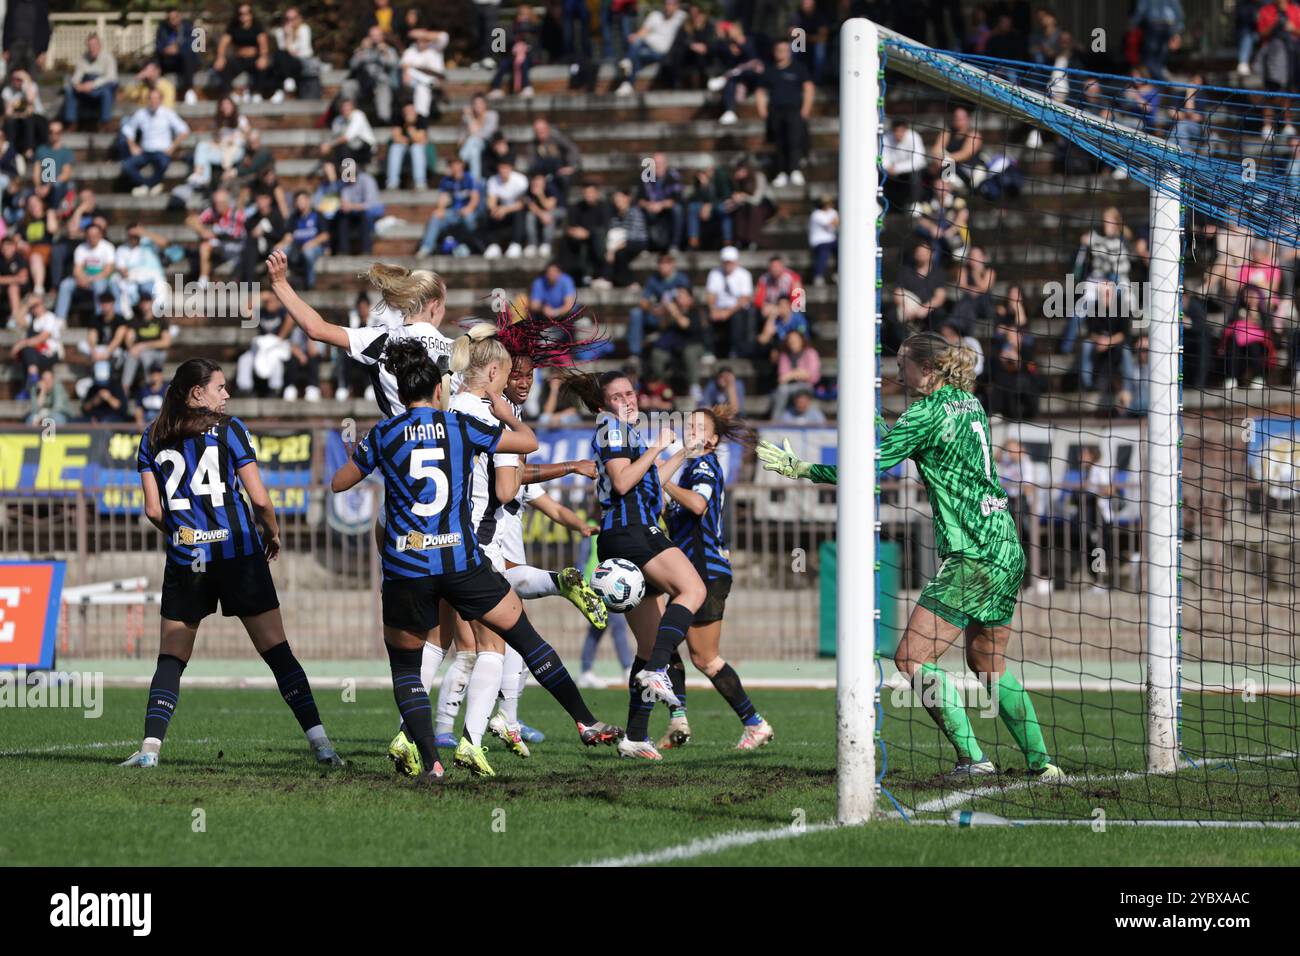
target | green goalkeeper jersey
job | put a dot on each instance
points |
(947, 434)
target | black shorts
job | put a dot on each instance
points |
(637, 543)
(243, 585)
(411, 604)
(715, 601)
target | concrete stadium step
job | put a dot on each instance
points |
(560, 106)
(609, 169)
(645, 136)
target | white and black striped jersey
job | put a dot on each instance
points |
(366, 345)
(484, 505)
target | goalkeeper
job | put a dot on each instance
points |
(946, 432)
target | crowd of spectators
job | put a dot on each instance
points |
(498, 195)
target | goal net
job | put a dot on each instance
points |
(1120, 254)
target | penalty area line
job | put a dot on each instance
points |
(707, 846)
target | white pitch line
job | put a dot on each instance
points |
(59, 748)
(951, 801)
(98, 745)
(1166, 824)
(710, 845)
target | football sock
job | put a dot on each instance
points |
(293, 684)
(452, 690)
(1017, 711)
(413, 702)
(532, 583)
(944, 705)
(727, 682)
(638, 709)
(540, 658)
(431, 658)
(512, 687)
(164, 695)
(672, 631)
(481, 695)
(677, 674)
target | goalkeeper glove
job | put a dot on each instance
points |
(782, 461)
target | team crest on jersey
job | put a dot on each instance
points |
(415, 541)
(193, 536)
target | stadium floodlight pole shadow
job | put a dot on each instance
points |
(858, 507)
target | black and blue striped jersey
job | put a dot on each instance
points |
(702, 537)
(204, 510)
(426, 457)
(643, 502)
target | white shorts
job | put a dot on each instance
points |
(510, 544)
(493, 553)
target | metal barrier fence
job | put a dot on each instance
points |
(328, 581)
(1239, 557)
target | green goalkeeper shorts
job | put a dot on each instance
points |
(976, 590)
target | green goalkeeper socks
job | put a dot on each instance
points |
(949, 712)
(1017, 712)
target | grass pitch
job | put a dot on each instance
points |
(237, 786)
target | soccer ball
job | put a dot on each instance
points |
(620, 584)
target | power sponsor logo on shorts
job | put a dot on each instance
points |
(415, 541)
(193, 536)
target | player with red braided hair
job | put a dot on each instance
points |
(481, 673)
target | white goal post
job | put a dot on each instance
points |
(857, 527)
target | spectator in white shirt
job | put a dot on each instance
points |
(93, 84)
(651, 43)
(294, 57)
(140, 270)
(224, 148)
(152, 134)
(351, 137)
(40, 345)
(423, 68)
(730, 289)
(506, 203)
(823, 237)
(478, 123)
(903, 159)
(92, 270)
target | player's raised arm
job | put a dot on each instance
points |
(787, 464)
(625, 474)
(562, 515)
(307, 318)
(692, 501)
(538, 474)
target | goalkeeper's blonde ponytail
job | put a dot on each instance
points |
(954, 364)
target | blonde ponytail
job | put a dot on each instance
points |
(405, 290)
(473, 352)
